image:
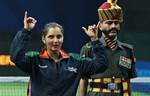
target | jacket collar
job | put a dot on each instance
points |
(44, 54)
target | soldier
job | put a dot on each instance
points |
(115, 81)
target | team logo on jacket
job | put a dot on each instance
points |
(125, 62)
(72, 69)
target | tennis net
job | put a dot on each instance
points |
(17, 86)
(13, 86)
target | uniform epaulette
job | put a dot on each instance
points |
(127, 45)
(32, 53)
(78, 57)
(75, 55)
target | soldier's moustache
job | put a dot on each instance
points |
(110, 30)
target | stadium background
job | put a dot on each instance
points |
(73, 14)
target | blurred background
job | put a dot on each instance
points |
(73, 14)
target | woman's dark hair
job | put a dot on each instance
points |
(51, 25)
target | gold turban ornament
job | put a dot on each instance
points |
(110, 11)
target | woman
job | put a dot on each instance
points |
(53, 72)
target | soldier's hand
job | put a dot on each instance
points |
(92, 32)
(29, 22)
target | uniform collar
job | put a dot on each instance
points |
(119, 44)
(44, 54)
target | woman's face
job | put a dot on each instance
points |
(53, 39)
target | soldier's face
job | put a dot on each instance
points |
(110, 28)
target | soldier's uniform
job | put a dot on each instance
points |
(115, 81)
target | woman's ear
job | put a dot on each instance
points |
(43, 39)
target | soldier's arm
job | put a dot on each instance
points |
(133, 68)
(84, 53)
(83, 86)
